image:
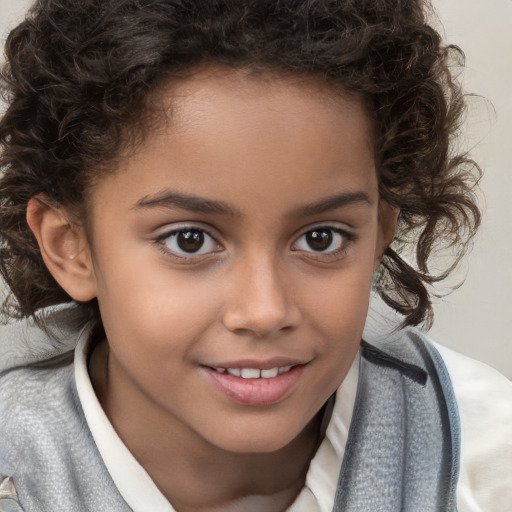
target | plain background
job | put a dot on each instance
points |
(476, 319)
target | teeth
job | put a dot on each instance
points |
(269, 374)
(255, 373)
(250, 373)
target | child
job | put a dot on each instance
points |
(196, 200)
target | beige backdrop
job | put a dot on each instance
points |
(477, 318)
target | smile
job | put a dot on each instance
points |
(255, 373)
(255, 386)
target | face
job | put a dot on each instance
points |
(232, 257)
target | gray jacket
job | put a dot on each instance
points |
(402, 452)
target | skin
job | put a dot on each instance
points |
(267, 149)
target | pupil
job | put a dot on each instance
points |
(190, 241)
(319, 240)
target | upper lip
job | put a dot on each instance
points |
(263, 364)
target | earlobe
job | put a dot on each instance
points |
(388, 217)
(63, 247)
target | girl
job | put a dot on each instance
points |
(196, 200)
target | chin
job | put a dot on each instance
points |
(258, 446)
(256, 439)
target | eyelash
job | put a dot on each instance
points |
(184, 257)
(347, 238)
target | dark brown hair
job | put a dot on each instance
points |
(80, 73)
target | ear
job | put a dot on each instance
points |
(64, 248)
(388, 217)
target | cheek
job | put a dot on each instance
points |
(339, 315)
(341, 299)
(150, 310)
(348, 301)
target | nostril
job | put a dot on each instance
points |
(260, 303)
(260, 326)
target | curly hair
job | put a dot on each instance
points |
(80, 75)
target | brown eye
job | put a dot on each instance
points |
(319, 239)
(323, 241)
(190, 241)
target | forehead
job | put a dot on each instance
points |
(251, 105)
(221, 88)
(230, 134)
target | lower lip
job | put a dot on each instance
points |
(256, 391)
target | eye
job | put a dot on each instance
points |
(323, 240)
(188, 242)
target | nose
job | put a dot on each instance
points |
(261, 302)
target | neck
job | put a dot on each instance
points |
(190, 472)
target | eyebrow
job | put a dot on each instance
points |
(333, 202)
(182, 201)
(196, 204)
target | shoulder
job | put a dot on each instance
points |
(484, 403)
(23, 342)
(478, 387)
(484, 399)
(34, 401)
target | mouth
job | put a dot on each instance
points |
(255, 373)
(255, 386)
